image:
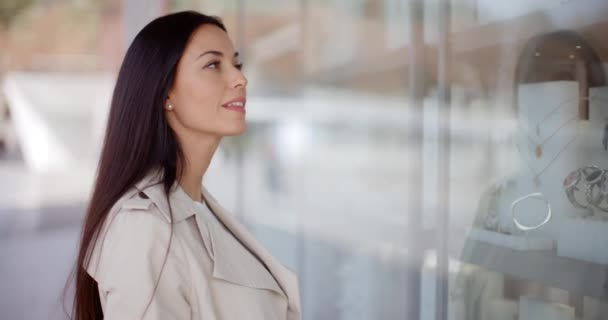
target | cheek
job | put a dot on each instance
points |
(204, 91)
(200, 101)
(203, 97)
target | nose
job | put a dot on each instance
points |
(239, 80)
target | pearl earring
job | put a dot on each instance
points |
(169, 107)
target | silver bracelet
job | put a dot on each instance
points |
(524, 227)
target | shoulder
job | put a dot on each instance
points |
(134, 209)
(138, 212)
(135, 200)
(134, 247)
(133, 225)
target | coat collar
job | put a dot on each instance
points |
(182, 207)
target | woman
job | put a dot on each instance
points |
(155, 244)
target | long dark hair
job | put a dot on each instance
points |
(138, 138)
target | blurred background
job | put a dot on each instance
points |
(408, 159)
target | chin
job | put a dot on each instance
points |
(235, 131)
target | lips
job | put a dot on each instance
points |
(237, 104)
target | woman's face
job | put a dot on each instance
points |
(208, 94)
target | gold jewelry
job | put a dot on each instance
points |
(538, 146)
(537, 175)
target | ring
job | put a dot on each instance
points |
(572, 179)
(602, 193)
(592, 173)
(571, 185)
(523, 227)
(593, 182)
(593, 177)
(595, 190)
(593, 193)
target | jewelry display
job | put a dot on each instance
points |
(538, 146)
(528, 231)
(522, 226)
(508, 233)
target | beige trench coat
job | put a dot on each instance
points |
(206, 273)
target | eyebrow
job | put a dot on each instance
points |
(217, 53)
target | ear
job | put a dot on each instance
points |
(167, 105)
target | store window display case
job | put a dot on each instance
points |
(536, 242)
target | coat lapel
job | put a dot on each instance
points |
(182, 208)
(286, 279)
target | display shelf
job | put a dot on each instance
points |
(512, 242)
(545, 267)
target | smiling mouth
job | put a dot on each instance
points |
(236, 105)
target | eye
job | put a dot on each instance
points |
(239, 66)
(213, 65)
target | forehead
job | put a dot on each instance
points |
(208, 37)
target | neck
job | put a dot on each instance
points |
(197, 156)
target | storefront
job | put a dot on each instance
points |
(435, 159)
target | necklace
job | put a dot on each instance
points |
(538, 146)
(552, 112)
(537, 174)
(561, 105)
